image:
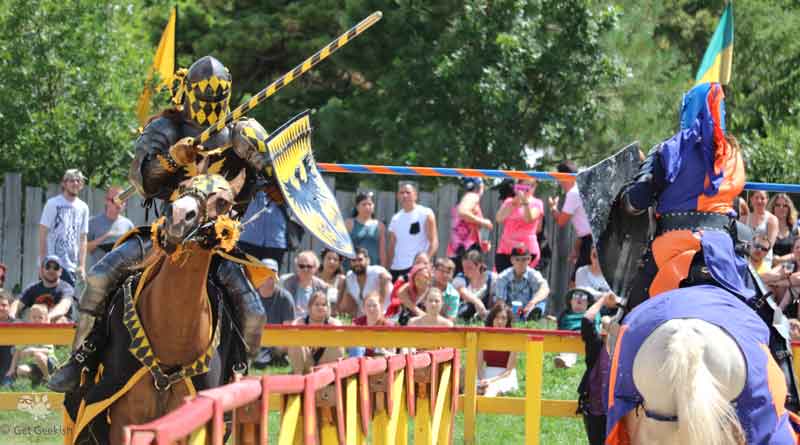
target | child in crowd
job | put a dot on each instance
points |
(497, 370)
(396, 308)
(6, 351)
(303, 358)
(578, 300)
(593, 389)
(433, 308)
(412, 293)
(373, 316)
(42, 356)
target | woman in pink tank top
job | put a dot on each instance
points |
(521, 216)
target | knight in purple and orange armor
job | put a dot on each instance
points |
(692, 179)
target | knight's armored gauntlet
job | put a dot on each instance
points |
(249, 143)
(184, 152)
(641, 193)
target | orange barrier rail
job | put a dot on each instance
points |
(337, 403)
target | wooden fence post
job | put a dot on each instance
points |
(30, 241)
(534, 357)
(12, 226)
(470, 387)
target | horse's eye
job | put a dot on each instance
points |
(222, 206)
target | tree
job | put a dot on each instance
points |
(434, 83)
(662, 44)
(72, 71)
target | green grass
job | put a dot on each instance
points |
(18, 427)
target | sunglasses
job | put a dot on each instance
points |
(522, 187)
(52, 266)
(762, 248)
(305, 266)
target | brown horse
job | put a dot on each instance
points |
(170, 308)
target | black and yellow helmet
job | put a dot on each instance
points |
(204, 91)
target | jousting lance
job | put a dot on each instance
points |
(273, 87)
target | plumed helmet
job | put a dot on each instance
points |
(204, 91)
(705, 102)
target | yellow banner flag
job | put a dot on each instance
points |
(163, 64)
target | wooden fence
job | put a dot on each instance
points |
(21, 208)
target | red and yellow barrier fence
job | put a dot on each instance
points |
(467, 339)
(337, 403)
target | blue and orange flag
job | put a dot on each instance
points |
(717, 61)
(163, 64)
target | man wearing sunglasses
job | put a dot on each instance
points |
(758, 251)
(51, 291)
(303, 282)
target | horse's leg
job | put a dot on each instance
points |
(143, 404)
(138, 405)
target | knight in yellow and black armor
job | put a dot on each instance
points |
(165, 155)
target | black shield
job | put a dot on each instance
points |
(620, 238)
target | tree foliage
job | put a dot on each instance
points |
(665, 43)
(468, 83)
(71, 74)
(457, 83)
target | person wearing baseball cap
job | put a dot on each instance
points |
(279, 307)
(522, 287)
(63, 227)
(51, 291)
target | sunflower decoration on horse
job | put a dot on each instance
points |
(172, 309)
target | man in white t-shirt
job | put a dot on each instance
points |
(573, 211)
(63, 228)
(411, 231)
(361, 280)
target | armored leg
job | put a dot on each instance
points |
(105, 276)
(246, 304)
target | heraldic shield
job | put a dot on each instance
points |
(620, 238)
(305, 192)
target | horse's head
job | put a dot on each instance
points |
(198, 204)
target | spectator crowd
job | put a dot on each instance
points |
(395, 278)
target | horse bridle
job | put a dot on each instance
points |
(205, 224)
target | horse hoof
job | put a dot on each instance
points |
(65, 380)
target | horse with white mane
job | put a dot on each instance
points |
(692, 366)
